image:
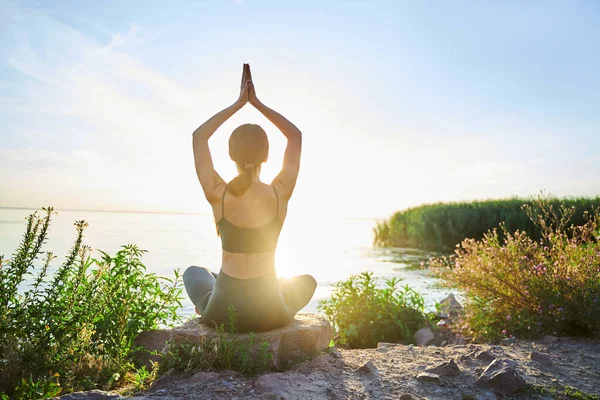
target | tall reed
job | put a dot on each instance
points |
(441, 226)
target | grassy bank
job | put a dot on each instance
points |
(441, 226)
(72, 327)
(530, 287)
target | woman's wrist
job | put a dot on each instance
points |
(257, 104)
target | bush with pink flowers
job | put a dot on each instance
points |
(517, 286)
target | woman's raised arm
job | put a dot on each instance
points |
(286, 179)
(210, 180)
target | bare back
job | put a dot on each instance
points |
(256, 208)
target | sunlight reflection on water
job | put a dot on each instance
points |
(330, 250)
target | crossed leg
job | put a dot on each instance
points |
(199, 283)
(297, 291)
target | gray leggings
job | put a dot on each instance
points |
(260, 304)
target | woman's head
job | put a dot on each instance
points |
(248, 144)
(249, 148)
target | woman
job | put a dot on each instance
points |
(249, 215)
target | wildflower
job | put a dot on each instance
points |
(504, 332)
(508, 317)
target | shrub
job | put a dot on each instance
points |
(74, 329)
(526, 287)
(363, 313)
(441, 226)
(225, 352)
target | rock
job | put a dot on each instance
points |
(473, 348)
(446, 369)
(429, 377)
(231, 375)
(203, 376)
(150, 341)
(227, 385)
(450, 305)
(507, 341)
(423, 336)
(439, 336)
(549, 339)
(540, 357)
(484, 356)
(306, 336)
(89, 395)
(368, 368)
(387, 344)
(502, 376)
(443, 324)
(464, 359)
(409, 396)
(292, 385)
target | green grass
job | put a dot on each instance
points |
(225, 352)
(441, 226)
(557, 392)
(363, 312)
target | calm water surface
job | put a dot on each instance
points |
(330, 250)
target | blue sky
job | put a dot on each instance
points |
(400, 102)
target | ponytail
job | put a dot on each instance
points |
(249, 148)
(238, 185)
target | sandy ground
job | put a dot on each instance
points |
(392, 373)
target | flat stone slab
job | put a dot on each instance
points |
(304, 337)
(89, 395)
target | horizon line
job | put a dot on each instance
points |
(107, 211)
(142, 212)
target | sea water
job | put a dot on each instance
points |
(331, 250)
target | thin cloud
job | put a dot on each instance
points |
(99, 97)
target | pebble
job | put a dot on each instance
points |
(484, 356)
(429, 377)
(508, 341)
(549, 339)
(448, 368)
(540, 357)
(502, 376)
(409, 396)
(368, 368)
(424, 336)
